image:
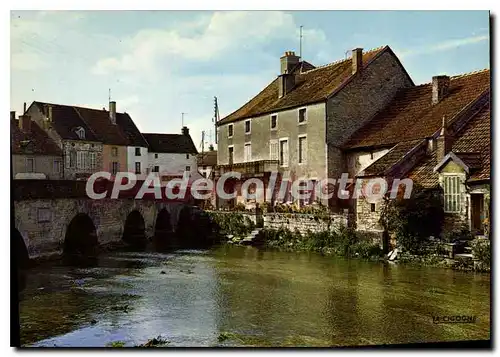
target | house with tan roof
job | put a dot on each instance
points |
(436, 134)
(299, 122)
(34, 154)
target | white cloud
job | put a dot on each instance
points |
(207, 38)
(443, 46)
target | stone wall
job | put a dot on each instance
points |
(303, 222)
(44, 164)
(43, 222)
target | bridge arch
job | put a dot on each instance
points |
(81, 236)
(163, 233)
(186, 230)
(20, 249)
(134, 231)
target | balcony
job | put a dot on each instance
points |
(252, 168)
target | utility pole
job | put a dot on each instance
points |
(202, 141)
(300, 43)
(216, 118)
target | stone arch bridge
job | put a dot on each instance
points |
(51, 218)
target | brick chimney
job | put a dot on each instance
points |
(286, 80)
(25, 123)
(211, 147)
(185, 130)
(12, 114)
(443, 142)
(357, 60)
(440, 86)
(112, 112)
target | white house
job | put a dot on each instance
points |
(171, 154)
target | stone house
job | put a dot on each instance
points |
(437, 135)
(297, 124)
(170, 155)
(81, 149)
(34, 154)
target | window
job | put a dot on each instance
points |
(92, 160)
(188, 168)
(80, 132)
(452, 193)
(114, 151)
(273, 148)
(114, 168)
(137, 151)
(284, 152)
(231, 155)
(72, 159)
(372, 207)
(80, 159)
(204, 167)
(274, 121)
(302, 149)
(30, 164)
(156, 156)
(156, 169)
(137, 168)
(187, 156)
(44, 215)
(57, 166)
(230, 130)
(302, 115)
(247, 127)
(247, 155)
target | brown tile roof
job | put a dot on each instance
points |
(411, 115)
(475, 138)
(96, 123)
(313, 86)
(170, 143)
(423, 173)
(35, 142)
(65, 120)
(393, 156)
(208, 158)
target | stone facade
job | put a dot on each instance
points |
(303, 222)
(75, 169)
(48, 165)
(43, 222)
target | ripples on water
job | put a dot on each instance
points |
(241, 296)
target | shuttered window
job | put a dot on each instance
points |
(248, 153)
(273, 147)
(452, 193)
(284, 153)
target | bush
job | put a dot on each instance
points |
(457, 235)
(232, 223)
(367, 250)
(415, 219)
(481, 251)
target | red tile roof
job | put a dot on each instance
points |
(392, 157)
(475, 138)
(312, 86)
(35, 142)
(105, 131)
(423, 173)
(411, 115)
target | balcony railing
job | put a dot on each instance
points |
(249, 168)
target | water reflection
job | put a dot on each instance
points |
(258, 297)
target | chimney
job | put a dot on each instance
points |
(12, 114)
(211, 147)
(25, 123)
(443, 142)
(49, 115)
(288, 61)
(112, 112)
(24, 108)
(357, 60)
(185, 130)
(440, 85)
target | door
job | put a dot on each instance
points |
(231, 150)
(477, 213)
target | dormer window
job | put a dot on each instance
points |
(80, 132)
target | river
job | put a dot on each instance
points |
(242, 296)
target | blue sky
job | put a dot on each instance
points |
(161, 63)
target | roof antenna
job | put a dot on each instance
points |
(109, 95)
(300, 42)
(182, 118)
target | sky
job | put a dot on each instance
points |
(159, 64)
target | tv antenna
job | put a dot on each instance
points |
(182, 118)
(300, 42)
